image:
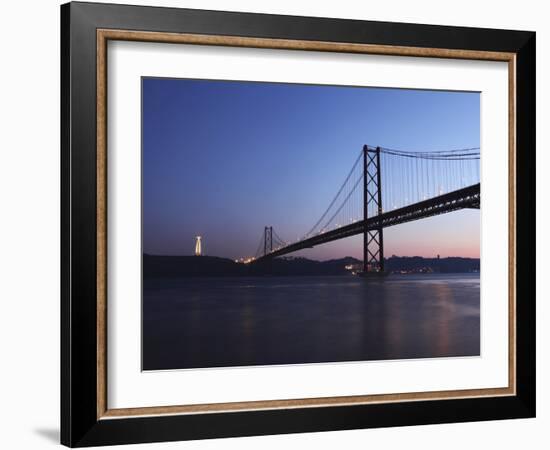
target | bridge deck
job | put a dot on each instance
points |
(468, 197)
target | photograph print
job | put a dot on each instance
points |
(303, 224)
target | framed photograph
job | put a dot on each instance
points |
(276, 224)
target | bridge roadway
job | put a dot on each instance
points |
(468, 197)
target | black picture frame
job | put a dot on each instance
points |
(80, 425)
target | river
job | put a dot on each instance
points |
(218, 322)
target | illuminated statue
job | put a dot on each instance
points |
(198, 249)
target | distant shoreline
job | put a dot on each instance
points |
(155, 266)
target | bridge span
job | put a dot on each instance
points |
(468, 197)
(410, 185)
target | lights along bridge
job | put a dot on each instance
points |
(418, 185)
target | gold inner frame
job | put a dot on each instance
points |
(104, 35)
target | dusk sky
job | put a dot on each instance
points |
(223, 159)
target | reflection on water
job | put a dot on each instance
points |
(214, 322)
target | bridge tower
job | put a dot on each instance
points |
(268, 240)
(373, 240)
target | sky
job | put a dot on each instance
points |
(223, 159)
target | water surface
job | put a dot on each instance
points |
(215, 322)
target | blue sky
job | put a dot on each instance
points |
(223, 159)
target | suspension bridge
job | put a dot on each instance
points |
(386, 187)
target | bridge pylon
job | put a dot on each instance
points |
(268, 240)
(373, 239)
